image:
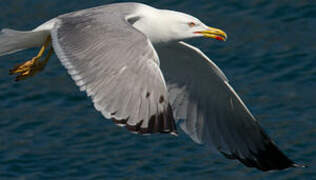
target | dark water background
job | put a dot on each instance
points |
(50, 130)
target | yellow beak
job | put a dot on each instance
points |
(214, 33)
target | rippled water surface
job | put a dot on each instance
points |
(50, 130)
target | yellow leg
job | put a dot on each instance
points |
(33, 66)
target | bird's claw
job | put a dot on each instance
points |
(33, 66)
(27, 69)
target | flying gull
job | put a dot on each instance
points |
(131, 60)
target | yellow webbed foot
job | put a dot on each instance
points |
(33, 66)
(27, 69)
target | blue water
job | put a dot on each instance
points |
(50, 130)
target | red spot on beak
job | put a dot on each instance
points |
(219, 38)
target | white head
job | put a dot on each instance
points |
(163, 26)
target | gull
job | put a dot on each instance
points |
(131, 59)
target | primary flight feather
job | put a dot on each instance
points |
(131, 60)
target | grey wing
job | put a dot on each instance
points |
(212, 112)
(117, 66)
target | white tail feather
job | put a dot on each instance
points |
(12, 41)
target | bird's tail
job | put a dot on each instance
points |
(12, 41)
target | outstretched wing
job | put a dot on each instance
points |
(212, 112)
(117, 66)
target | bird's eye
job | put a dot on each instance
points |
(191, 24)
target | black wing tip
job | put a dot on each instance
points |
(160, 123)
(271, 158)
